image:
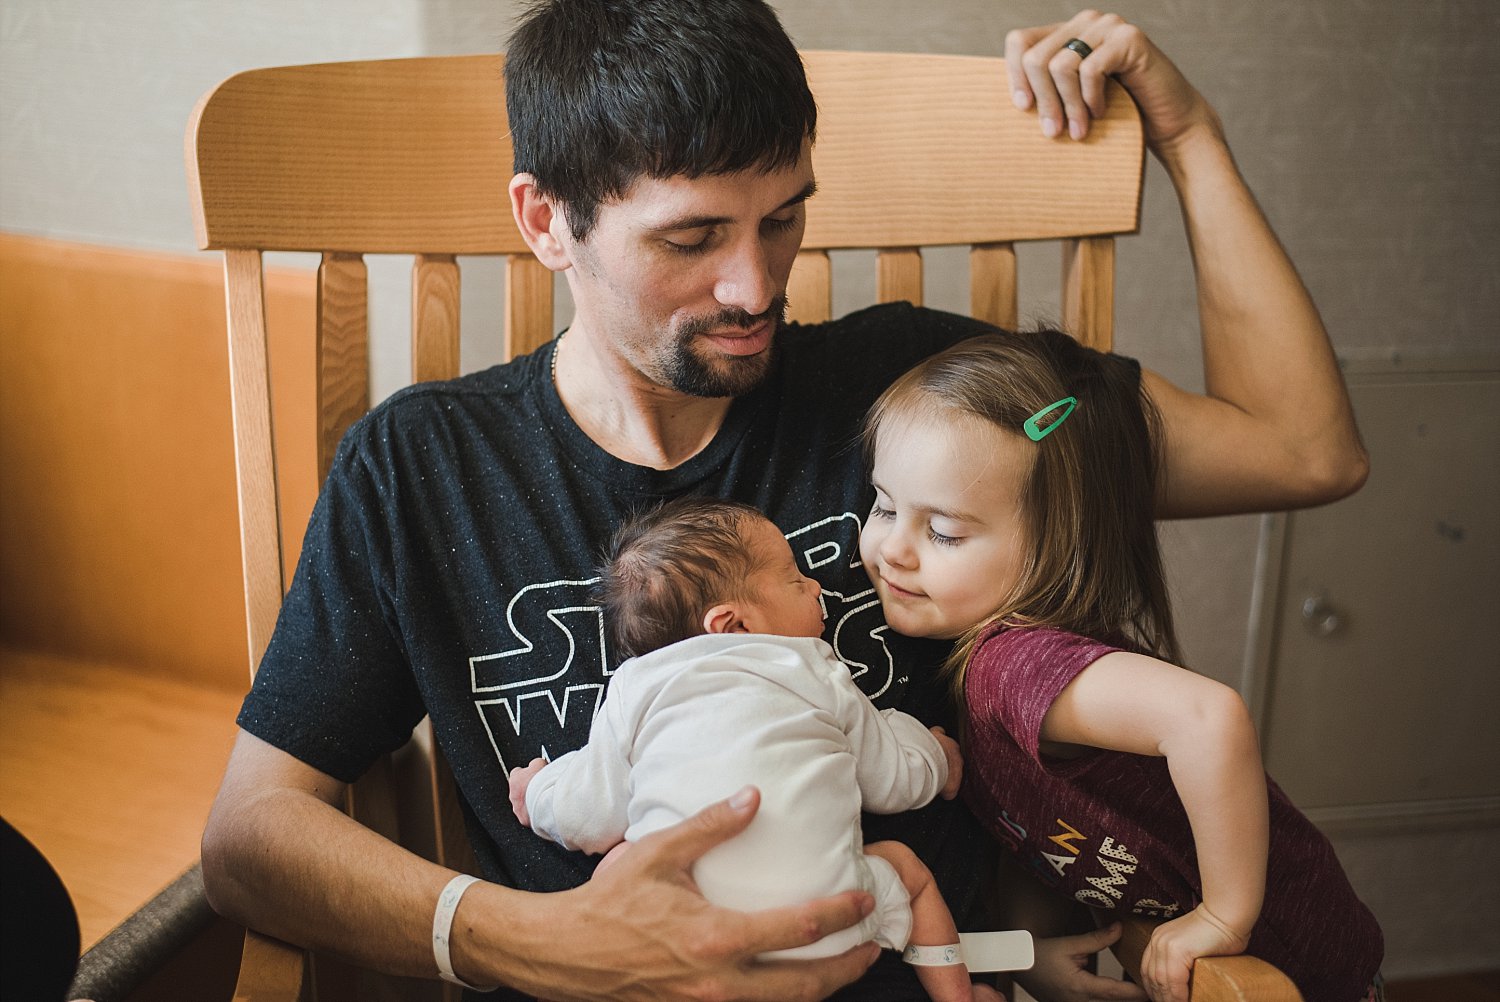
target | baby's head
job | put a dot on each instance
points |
(703, 565)
(994, 499)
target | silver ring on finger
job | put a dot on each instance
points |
(1078, 45)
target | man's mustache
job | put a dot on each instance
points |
(733, 316)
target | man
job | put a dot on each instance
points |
(663, 159)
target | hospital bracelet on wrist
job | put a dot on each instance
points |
(442, 926)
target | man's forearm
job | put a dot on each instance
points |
(287, 864)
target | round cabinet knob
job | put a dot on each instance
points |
(1320, 615)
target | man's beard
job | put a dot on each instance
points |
(727, 375)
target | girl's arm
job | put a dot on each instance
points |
(1132, 703)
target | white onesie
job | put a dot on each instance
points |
(692, 723)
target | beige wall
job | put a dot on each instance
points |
(1366, 128)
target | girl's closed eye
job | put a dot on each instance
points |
(942, 540)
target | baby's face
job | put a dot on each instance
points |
(780, 599)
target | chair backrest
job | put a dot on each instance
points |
(412, 157)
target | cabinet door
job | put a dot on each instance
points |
(1385, 679)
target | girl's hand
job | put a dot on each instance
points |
(955, 763)
(520, 779)
(1060, 975)
(1168, 961)
(1067, 89)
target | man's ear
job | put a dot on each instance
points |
(724, 618)
(541, 221)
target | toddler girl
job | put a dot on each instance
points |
(1014, 478)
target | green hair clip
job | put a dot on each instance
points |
(1036, 433)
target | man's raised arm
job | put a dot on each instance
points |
(279, 857)
(1274, 428)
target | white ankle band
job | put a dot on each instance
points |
(933, 956)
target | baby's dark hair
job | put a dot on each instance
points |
(666, 566)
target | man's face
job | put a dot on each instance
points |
(683, 280)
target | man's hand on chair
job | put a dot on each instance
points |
(1066, 86)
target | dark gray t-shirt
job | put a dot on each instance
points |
(448, 564)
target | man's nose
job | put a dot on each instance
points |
(746, 281)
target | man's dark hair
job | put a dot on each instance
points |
(666, 567)
(603, 92)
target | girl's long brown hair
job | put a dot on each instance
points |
(1093, 565)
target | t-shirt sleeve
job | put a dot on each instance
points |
(334, 688)
(1015, 675)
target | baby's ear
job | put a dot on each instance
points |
(723, 618)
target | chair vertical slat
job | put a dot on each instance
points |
(453, 847)
(343, 350)
(269, 969)
(992, 284)
(809, 290)
(528, 305)
(371, 799)
(254, 452)
(1088, 283)
(434, 317)
(898, 275)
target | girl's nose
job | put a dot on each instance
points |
(897, 550)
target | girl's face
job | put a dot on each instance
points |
(945, 542)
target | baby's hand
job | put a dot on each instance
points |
(955, 763)
(520, 779)
(1168, 960)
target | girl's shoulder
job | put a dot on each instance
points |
(1040, 660)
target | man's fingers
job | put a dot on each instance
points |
(1017, 42)
(778, 981)
(682, 843)
(1067, 87)
(1036, 63)
(798, 925)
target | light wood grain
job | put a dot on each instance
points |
(343, 350)
(993, 293)
(898, 276)
(434, 317)
(413, 156)
(528, 305)
(110, 773)
(1088, 290)
(920, 149)
(809, 290)
(250, 388)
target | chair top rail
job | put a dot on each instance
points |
(409, 156)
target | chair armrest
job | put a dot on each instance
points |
(272, 971)
(1215, 979)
